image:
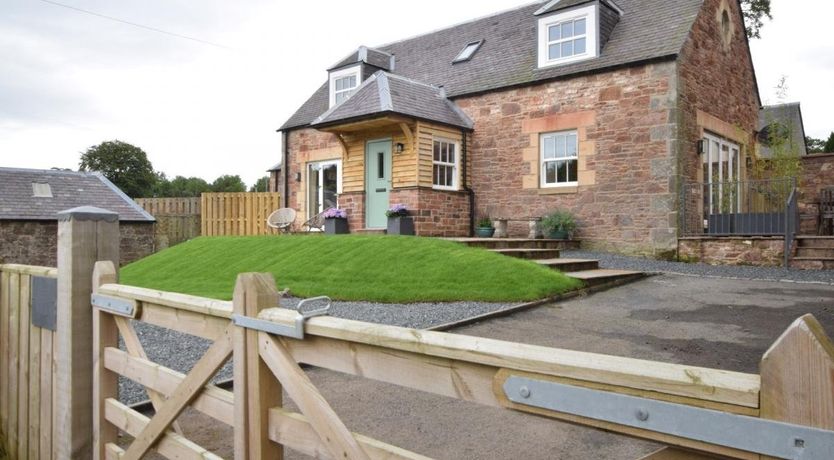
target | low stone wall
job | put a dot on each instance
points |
(36, 242)
(756, 251)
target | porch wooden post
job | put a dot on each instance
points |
(85, 235)
(256, 389)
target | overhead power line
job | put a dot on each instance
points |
(134, 24)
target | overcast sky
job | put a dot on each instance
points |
(208, 101)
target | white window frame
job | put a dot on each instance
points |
(455, 165)
(543, 162)
(714, 146)
(322, 165)
(589, 13)
(347, 72)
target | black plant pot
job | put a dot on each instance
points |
(400, 226)
(335, 226)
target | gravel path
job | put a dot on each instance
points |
(180, 351)
(608, 260)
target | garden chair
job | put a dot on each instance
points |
(281, 219)
(316, 223)
(826, 211)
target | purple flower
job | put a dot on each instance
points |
(398, 210)
(335, 213)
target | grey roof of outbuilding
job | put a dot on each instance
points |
(789, 116)
(648, 30)
(385, 93)
(70, 189)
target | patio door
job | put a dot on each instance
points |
(324, 182)
(722, 176)
(377, 182)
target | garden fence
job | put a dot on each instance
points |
(238, 214)
(177, 219)
(786, 411)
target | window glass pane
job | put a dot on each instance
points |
(567, 49)
(451, 153)
(579, 27)
(549, 147)
(380, 159)
(571, 145)
(567, 30)
(579, 46)
(449, 176)
(434, 175)
(554, 52)
(341, 97)
(572, 167)
(553, 33)
(436, 151)
(561, 171)
(560, 146)
(550, 172)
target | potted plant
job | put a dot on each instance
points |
(485, 229)
(335, 221)
(559, 225)
(399, 222)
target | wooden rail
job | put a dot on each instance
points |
(27, 379)
(238, 214)
(795, 385)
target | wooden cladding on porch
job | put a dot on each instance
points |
(411, 168)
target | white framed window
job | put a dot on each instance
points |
(343, 83)
(445, 164)
(568, 37)
(559, 159)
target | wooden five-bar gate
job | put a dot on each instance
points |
(787, 411)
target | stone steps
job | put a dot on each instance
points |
(598, 277)
(517, 243)
(524, 253)
(814, 253)
(570, 265)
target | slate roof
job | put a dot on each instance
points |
(70, 189)
(787, 120)
(386, 93)
(648, 30)
(556, 5)
(376, 58)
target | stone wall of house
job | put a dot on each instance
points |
(304, 146)
(817, 174)
(436, 212)
(625, 120)
(760, 252)
(36, 242)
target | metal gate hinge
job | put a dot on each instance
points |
(295, 331)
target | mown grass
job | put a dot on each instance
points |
(350, 267)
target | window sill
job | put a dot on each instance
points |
(573, 189)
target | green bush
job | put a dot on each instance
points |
(559, 221)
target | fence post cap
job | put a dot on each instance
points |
(88, 213)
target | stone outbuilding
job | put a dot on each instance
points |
(30, 200)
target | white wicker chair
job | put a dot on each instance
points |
(281, 219)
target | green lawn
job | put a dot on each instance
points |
(350, 267)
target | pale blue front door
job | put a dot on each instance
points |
(377, 182)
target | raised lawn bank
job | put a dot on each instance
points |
(351, 267)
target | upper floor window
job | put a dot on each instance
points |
(467, 52)
(445, 164)
(559, 159)
(568, 37)
(343, 83)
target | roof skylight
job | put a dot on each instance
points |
(468, 51)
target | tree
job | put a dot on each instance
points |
(228, 183)
(754, 12)
(125, 165)
(262, 185)
(181, 187)
(815, 145)
(829, 144)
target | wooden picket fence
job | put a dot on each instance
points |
(27, 382)
(238, 214)
(177, 219)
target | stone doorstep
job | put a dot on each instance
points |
(604, 276)
(570, 265)
(528, 253)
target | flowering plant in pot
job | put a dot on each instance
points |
(399, 222)
(335, 221)
(559, 225)
(485, 229)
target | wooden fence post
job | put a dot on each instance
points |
(256, 388)
(106, 383)
(85, 236)
(798, 377)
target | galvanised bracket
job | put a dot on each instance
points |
(295, 331)
(115, 305)
(767, 437)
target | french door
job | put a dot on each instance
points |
(324, 183)
(722, 175)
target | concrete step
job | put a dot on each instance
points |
(517, 243)
(815, 241)
(537, 254)
(815, 252)
(813, 263)
(605, 276)
(570, 265)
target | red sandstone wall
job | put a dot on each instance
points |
(817, 173)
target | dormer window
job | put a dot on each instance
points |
(343, 83)
(468, 51)
(568, 36)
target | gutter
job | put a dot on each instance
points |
(285, 169)
(464, 153)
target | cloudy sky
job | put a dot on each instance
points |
(201, 86)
